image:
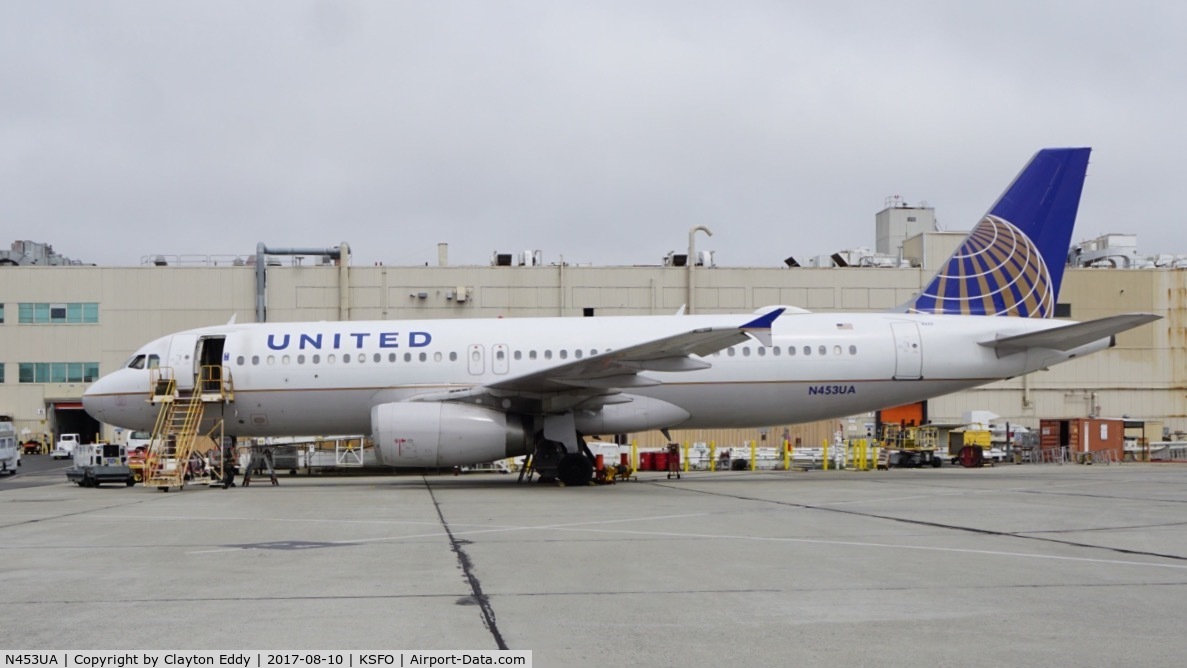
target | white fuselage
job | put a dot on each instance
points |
(324, 378)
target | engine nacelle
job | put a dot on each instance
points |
(431, 434)
(640, 414)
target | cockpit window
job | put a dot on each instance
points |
(154, 361)
(136, 362)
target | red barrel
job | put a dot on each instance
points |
(624, 459)
(646, 461)
(661, 461)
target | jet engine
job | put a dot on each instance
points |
(431, 434)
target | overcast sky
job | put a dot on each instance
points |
(600, 131)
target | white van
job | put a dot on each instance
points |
(139, 438)
(64, 448)
(10, 452)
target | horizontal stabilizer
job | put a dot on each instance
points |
(1069, 337)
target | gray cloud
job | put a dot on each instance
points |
(600, 131)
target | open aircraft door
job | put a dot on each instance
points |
(183, 359)
(908, 351)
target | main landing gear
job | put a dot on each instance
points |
(555, 463)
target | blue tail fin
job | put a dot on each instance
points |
(1012, 262)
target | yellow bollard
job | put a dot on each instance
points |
(753, 455)
(824, 458)
(635, 455)
(712, 455)
(684, 459)
(786, 455)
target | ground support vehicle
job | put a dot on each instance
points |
(10, 452)
(98, 463)
(64, 447)
(908, 447)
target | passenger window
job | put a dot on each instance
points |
(564, 354)
(746, 351)
(791, 351)
(518, 354)
(547, 354)
(807, 350)
(499, 355)
(578, 353)
(531, 354)
(423, 357)
(255, 360)
(822, 349)
(407, 357)
(317, 359)
(363, 357)
(776, 352)
(730, 351)
(436, 357)
(391, 357)
(378, 358)
(836, 350)
(762, 352)
(852, 350)
(271, 360)
(331, 358)
(345, 358)
(286, 360)
(300, 359)
(452, 357)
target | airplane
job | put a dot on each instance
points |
(443, 393)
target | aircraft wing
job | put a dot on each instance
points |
(611, 371)
(1070, 336)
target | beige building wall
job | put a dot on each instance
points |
(1144, 376)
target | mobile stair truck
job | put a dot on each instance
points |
(97, 463)
(10, 452)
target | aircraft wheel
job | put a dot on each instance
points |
(575, 470)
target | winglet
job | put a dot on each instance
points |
(760, 327)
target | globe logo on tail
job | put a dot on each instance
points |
(996, 271)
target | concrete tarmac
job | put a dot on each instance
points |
(1034, 565)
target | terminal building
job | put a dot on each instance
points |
(64, 323)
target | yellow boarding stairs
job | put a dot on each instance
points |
(176, 434)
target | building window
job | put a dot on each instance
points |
(72, 313)
(1063, 310)
(1, 314)
(57, 372)
(1, 372)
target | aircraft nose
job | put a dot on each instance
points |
(93, 401)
